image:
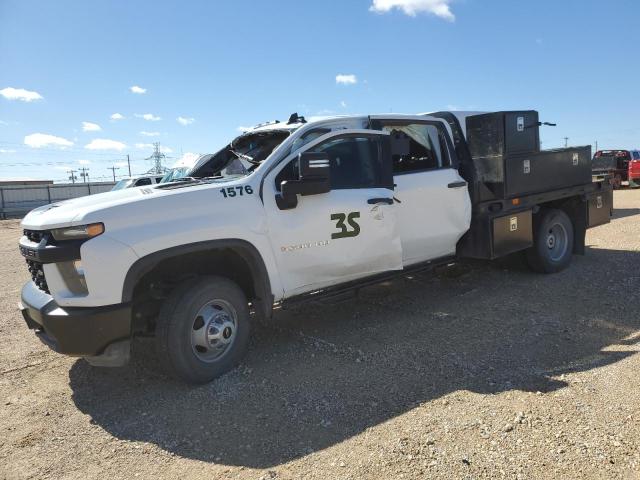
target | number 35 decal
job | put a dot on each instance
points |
(344, 232)
(233, 191)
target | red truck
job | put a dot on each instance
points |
(634, 169)
(614, 164)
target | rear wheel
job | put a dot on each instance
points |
(552, 242)
(203, 329)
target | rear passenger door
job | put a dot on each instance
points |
(434, 208)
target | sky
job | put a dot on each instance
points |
(84, 84)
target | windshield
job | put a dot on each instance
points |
(174, 174)
(241, 156)
(121, 184)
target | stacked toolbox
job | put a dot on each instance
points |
(505, 150)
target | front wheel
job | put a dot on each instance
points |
(552, 242)
(203, 329)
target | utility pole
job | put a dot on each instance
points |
(113, 169)
(566, 142)
(129, 164)
(84, 174)
(596, 145)
(72, 176)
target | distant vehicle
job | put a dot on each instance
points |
(611, 163)
(634, 169)
(137, 181)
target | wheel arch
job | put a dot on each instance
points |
(257, 287)
(576, 209)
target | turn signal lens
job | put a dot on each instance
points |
(78, 233)
(515, 201)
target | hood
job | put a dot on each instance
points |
(63, 213)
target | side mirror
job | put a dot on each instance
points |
(314, 177)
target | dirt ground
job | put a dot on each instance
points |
(481, 371)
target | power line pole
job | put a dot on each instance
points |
(596, 145)
(566, 142)
(129, 164)
(113, 169)
(157, 156)
(72, 176)
(84, 174)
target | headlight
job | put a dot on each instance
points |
(78, 233)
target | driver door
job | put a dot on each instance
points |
(347, 233)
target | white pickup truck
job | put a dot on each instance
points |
(295, 211)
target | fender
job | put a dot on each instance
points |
(263, 302)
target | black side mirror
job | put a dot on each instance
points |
(314, 177)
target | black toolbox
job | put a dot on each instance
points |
(507, 161)
(600, 205)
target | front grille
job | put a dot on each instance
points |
(34, 235)
(37, 275)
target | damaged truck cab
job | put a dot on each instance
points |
(293, 211)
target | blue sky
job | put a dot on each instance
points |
(221, 65)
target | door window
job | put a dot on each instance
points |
(356, 162)
(417, 147)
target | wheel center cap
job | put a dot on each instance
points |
(551, 241)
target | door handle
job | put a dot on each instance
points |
(386, 201)
(457, 184)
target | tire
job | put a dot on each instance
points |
(616, 182)
(203, 329)
(552, 242)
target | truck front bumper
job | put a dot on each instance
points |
(80, 332)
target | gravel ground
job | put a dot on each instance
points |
(483, 370)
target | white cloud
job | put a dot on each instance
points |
(41, 140)
(439, 8)
(105, 144)
(7, 150)
(21, 94)
(148, 116)
(117, 116)
(185, 120)
(343, 104)
(84, 162)
(138, 90)
(149, 134)
(342, 79)
(90, 127)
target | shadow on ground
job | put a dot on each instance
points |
(625, 212)
(323, 374)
